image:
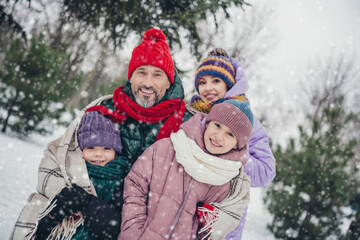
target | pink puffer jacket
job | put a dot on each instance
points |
(155, 188)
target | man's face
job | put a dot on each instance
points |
(148, 85)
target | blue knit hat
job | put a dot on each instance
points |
(98, 131)
(237, 116)
(244, 106)
(216, 64)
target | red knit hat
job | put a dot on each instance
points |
(153, 51)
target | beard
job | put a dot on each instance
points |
(145, 101)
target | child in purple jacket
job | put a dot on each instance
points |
(194, 165)
(220, 77)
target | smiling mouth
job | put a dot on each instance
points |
(214, 143)
(210, 95)
(147, 91)
(97, 162)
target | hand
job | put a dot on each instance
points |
(44, 228)
(206, 215)
(70, 201)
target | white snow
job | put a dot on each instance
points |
(18, 177)
(19, 161)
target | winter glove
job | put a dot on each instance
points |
(70, 201)
(206, 215)
(104, 218)
(44, 228)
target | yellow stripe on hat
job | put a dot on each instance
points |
(226, 62)
(217, 69)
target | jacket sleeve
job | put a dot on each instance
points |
(136, 189)
(261, 164)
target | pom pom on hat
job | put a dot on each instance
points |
(154, 35)
(153, 50)
(98, 131)
(216, 64)
(237, 116)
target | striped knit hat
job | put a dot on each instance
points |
(216, 64)
(237, 116)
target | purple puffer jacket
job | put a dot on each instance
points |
(261, 163)
(158, 188)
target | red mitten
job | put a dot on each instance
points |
(206, 214)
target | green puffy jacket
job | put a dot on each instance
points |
(138, 136)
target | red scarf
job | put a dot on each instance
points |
(172, 110)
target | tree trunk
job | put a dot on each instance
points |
(10, 109)
(302, 229)
(353, 233)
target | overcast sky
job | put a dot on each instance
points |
(303, 30)
(307, 29)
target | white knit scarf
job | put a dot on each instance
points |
(201, 166)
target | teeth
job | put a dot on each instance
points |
(216, 144)
(147, 91)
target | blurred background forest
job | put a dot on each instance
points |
(56, 56)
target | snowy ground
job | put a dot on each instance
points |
(19, 162)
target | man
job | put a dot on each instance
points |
(149, 107)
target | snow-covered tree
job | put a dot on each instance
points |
(315, 178)
(33, 85)
(120, 18)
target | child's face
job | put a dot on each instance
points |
(211, 88)
(98, 155)
(218, 138)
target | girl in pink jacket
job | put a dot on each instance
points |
(194, 165)
(219, 77)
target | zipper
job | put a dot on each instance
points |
(172, 227)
